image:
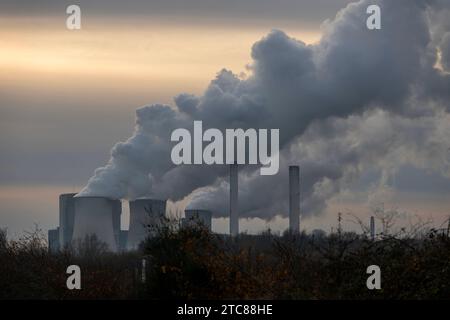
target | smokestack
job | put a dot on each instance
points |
(372, 228)
(144, 213)
(234, 215)
(94, 216)
(294, 199)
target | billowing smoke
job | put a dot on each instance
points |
(333, 153)
(356, 100)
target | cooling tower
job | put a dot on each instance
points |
(198, 216)
(294, 199)
(144, 213)
(66, 218)
(234, 215)
(95, 215)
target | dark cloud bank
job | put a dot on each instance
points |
(355, 101)
(305, 12)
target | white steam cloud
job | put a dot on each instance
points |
(356, 100)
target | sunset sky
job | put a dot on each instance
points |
(66, 97)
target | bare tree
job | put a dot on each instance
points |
(387, 217)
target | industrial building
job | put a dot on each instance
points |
(66, 218)
(83, 216)
(98, 216)
(61, 237)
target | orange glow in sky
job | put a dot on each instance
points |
(169, 57)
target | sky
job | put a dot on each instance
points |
(67, 97)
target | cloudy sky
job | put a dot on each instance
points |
(365, 114)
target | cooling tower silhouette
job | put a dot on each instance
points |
(97, 216)
(145, 214)
(66, 219)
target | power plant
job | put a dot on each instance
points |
(81, 217)
(84, 216)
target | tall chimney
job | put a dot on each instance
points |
(234, 215)
(294, 199)
(372, 228)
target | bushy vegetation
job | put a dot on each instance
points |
(194, 263)
(29, 271)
